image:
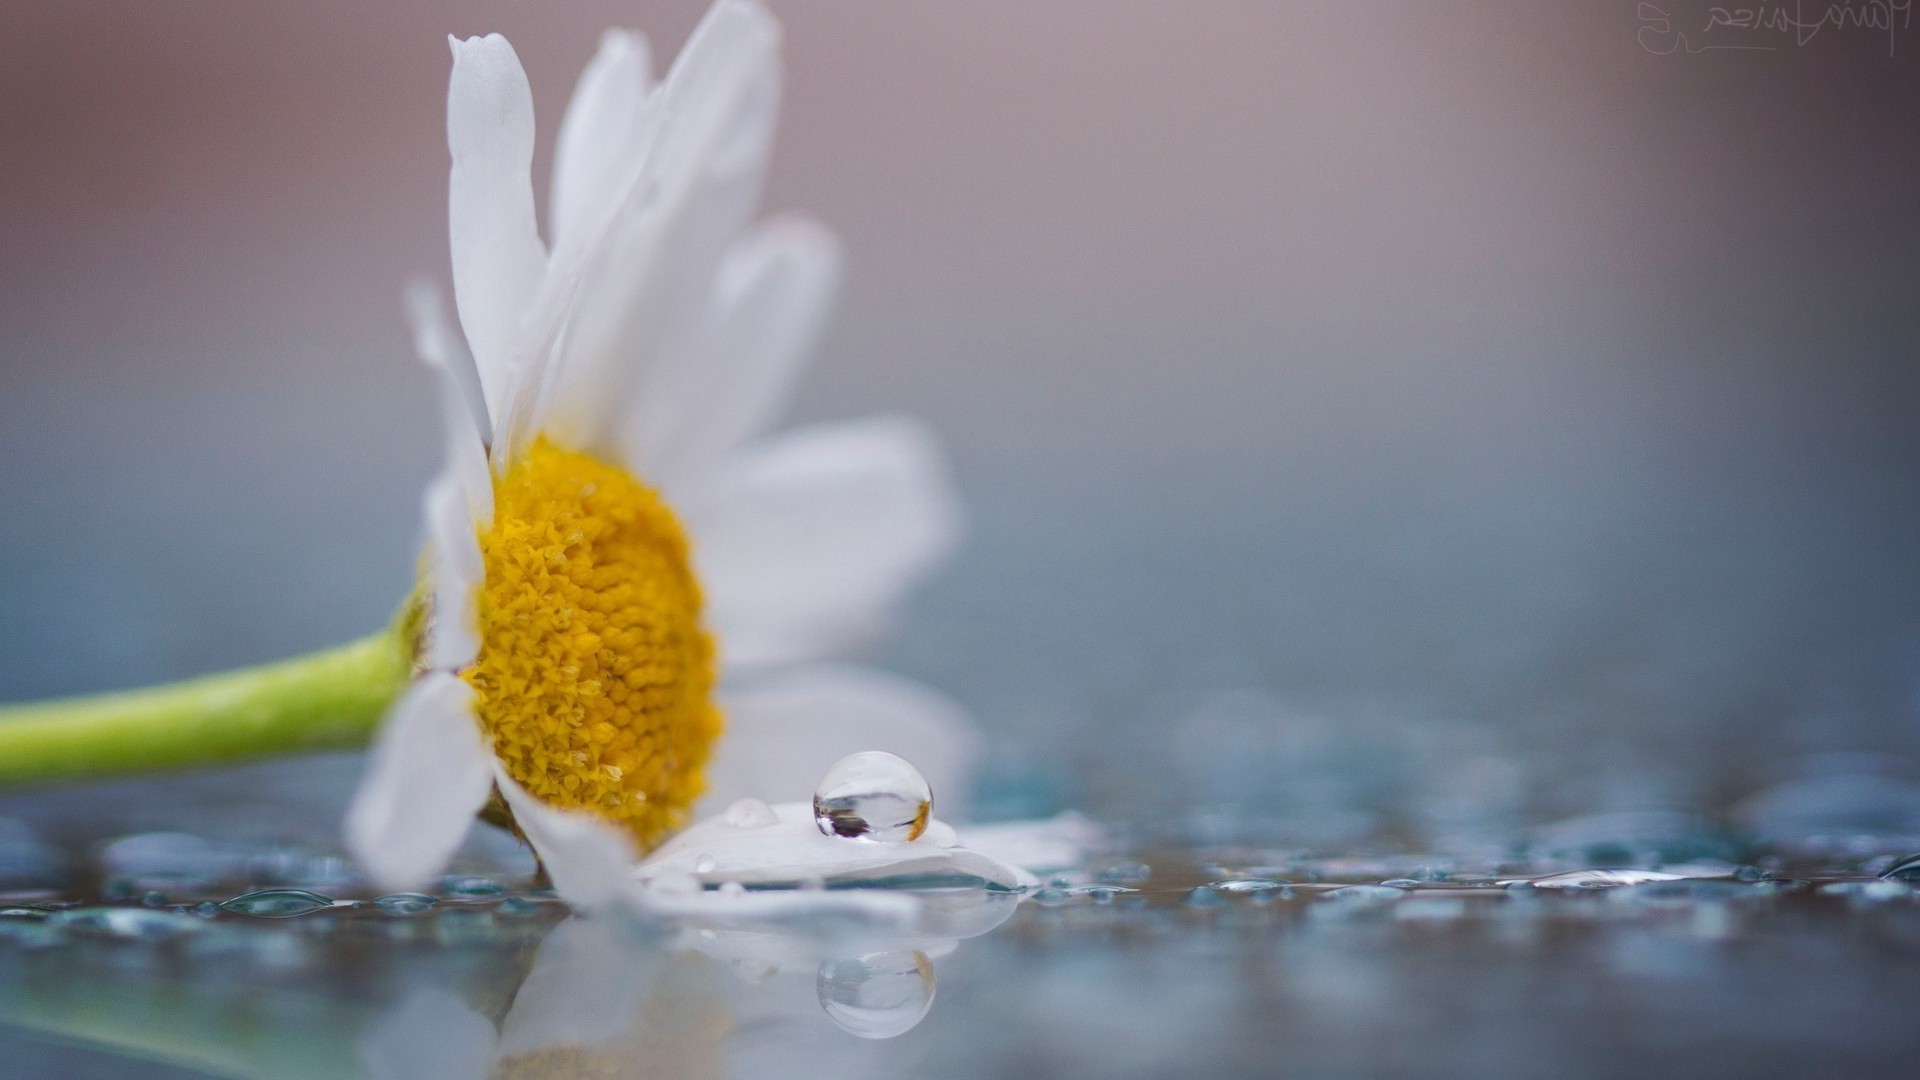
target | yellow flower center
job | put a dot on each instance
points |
(595, 679)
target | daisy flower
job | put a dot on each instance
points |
(622, 566)
(619, 566)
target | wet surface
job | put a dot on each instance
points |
(160, 955)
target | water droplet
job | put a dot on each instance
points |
(732, 888)
(277, 903)
(1905, 868)
(1363, 895)
(1127, 873)
(457, 885)
(705, 864)
(1203, 897)
(135, 924)
(750, 814)
(516, 906)
(877, 996)
(1052, 896)
(1601, 879)
(873, 795)
(154, 899)
(1248, 886)
(206, 909)
(22, 913)
(405, 903)
(1401, 883)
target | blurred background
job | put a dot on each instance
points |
(1466, 412)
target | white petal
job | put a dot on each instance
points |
(768, 306)
(428, 774)
(432, 1035)
(588, 859)
(462, 403)
(599, 138)
(793, 850)
(701, 179)
(498, 259)
(786, 730)
(1057, 843)
(454, 571)
(806, 542)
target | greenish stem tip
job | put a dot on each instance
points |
(329, 700)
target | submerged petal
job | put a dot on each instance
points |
(498, 259)
(786, 731)
(588, 859)
(427, 775)
(769, 304)
(792, 849)
(806, 541)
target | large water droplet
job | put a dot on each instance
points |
(873, 795)
(1904, 869)
(877, 996)
(1248, 886)
(405, 903)
(277, 903)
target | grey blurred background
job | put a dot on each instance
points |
(1464, 386)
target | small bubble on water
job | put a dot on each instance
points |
(277, 903)
(877, 996)
(873, 795)
(405, 903)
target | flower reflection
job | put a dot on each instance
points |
(729, 986)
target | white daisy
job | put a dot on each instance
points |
(618, 565)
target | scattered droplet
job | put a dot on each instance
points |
(1203, 897)
(705, 864)
(750, 814)
(1600, 879)
(277, 903)
(1905, 868)
(873, 795)
(1248, 886)
(206, 909)
(1052, 896)
(472, 886)
(133, 924)
(516, 906)
(405, 903)
(877, 996)
(154, 898)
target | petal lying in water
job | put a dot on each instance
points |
(1056, 843)
(792, 849)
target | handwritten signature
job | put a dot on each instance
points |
(1766, 27)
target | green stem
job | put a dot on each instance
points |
(329, 700)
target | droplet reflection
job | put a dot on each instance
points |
(877, 996)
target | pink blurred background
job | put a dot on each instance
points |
(1465, 365)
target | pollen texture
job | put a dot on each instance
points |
(594, 680)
